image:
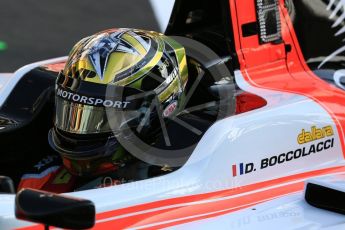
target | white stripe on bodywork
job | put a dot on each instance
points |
(288, 212)
(12, 82)
(253, 192)
(191, 217)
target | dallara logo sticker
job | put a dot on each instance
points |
(323, 140)
(314, 134)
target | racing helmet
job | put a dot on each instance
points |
(108, 85)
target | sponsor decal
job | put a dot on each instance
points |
(85, 100)
(297, 153)
(170, 109)
(325, 139)
(314, 134)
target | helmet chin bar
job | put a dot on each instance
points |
(83, 150)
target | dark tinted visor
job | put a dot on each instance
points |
(91, 108)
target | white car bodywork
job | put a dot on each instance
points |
(286, 213)
(9, 80)
(271, 130)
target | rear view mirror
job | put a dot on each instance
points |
(323, 197)
(6, 185)
(54, 210)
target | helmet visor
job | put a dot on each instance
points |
(85, 119)
(90, 108)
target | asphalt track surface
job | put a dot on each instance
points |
(35, 30)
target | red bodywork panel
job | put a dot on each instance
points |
(269, 66)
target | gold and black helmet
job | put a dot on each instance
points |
(109, 84)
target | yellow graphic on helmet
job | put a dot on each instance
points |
(125, 57)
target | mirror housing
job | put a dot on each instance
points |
(325, 197)
(54, 210)
(6, 185)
